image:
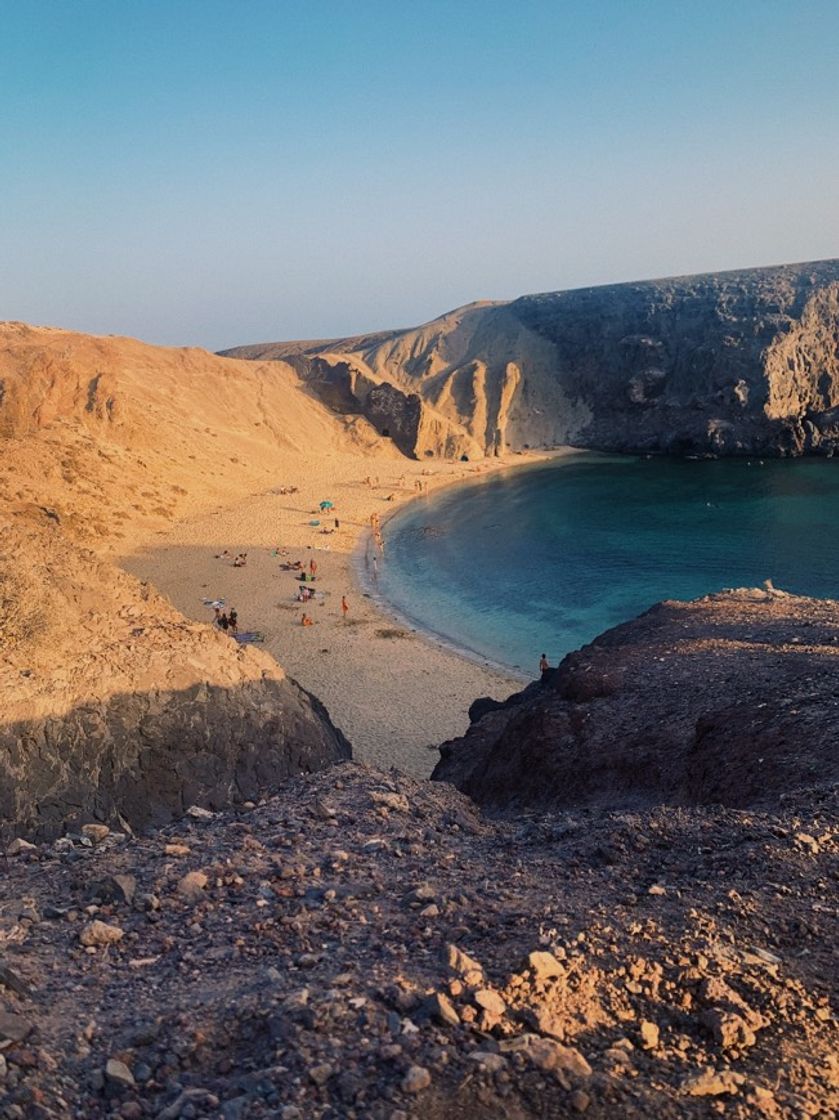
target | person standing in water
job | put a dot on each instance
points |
(544, 667)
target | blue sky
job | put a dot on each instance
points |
(214, 173)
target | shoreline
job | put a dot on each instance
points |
(370, 588)
(368, 668)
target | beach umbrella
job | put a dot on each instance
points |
(326, 504)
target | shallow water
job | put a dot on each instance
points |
(545, 559)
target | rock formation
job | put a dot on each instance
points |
(726, 363)
(112, 703)
(730, 700)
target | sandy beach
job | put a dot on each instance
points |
(365, 667)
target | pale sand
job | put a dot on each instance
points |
(395, 693)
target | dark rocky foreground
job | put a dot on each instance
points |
(363, 945)
(728, 363)
(732, 699)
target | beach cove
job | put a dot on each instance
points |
(372, 670)
(559, 554)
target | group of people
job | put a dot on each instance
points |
(239, 560)
(227, 621)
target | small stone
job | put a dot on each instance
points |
(18, 846)
(549, 1023)
(98, 933)
(177, 850)
(13, 980)
(114, 888)
(441, 1008)
(118, 1072)
(4, 1069)
(199, 814)
(391, 800)
(416, 1079)
(547, 1054)
(191, 887)
(320, 1074)
(432, 911)
(728, 1029)
(463, 965)
(13, 1028)
(291, 1112)
(657, 889)
(490, 1001)
(295, 1001)
(709, 1083)
(131, 1110)
(580, 1101)
(544, 966)
(95, 832)
(488, 1061)
(649, 1035)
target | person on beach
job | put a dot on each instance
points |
(375, 567)
(344, 607)
(313, 566)
(233, 621)
(305, 620)
(337, 523)
(224, 623)
(216, 615)
(544, 667)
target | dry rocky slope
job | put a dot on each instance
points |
(725, 363)
(727, 700)
(368, 947)
(110, 701)
(120, 438)
(114, 704)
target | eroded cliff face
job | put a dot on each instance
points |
(725, 700)
(112, 703)
(726, 363)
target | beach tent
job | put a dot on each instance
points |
(326, 504)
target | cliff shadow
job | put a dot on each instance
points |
(148, 756)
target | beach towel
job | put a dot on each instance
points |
(213, 603)
(250, 637)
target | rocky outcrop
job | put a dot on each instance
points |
(113, 704)
(721, 364)
(726, 700)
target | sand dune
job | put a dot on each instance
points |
(121, 438)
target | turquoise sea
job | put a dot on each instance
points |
(544, 559)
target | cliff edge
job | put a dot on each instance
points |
(729, 363)
(725, 700)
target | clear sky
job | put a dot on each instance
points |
(217, 172)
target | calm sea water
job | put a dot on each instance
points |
(547, 558)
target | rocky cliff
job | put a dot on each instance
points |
(726, 363)
(725, 700)
(112, 703)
